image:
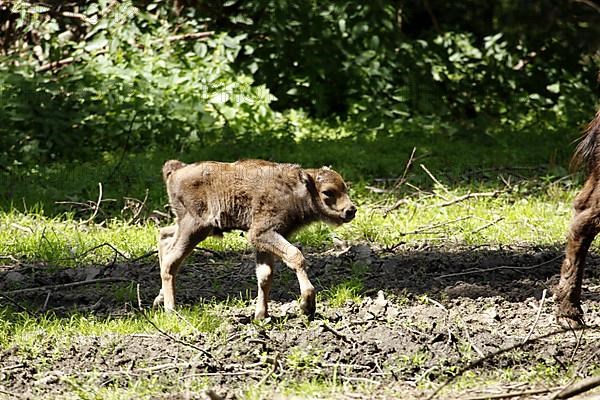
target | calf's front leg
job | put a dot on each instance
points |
(277, 245)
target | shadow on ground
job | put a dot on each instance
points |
(514, 273)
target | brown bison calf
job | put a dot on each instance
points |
(583, 230)
(266, 199)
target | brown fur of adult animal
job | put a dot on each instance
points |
(584, 227)
(268, 200)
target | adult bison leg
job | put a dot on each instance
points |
(175, 243)
(277, 245)
(264, 275)
(582, 232)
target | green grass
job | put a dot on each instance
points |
(26, 331)
(509, 218)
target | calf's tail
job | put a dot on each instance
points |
(587, 152)
(170, 166)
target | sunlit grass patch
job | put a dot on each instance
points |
(33, 333)
(340, 294)
(508, 218)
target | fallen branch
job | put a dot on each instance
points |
(484, 270)
(508, 395)
(501, 351)
(578, 388)
(148, 254)
(55, 64)
(64, 286)
(12, 395)
(337, 333)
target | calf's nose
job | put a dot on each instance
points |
(350, 212)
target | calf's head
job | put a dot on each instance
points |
(333, 201)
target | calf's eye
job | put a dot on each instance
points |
(328, 193)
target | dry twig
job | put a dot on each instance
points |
(578, 388)
(501, 351)
(509, 395)
(435, 180)
(466, 197)
(64, 286)
(537, 317)
(97, 206)
(484, 270)
(427, 228)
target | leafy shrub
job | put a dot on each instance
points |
(128, 85)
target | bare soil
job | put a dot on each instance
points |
(427, 313)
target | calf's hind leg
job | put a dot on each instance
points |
(174, 245)
(165, 240)
(582, 232)
(264, 275)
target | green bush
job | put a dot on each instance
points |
(128, 86)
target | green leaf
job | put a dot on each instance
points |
(97, 44)
(554, 88)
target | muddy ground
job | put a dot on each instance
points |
(427, 311)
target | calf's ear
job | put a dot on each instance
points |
(305, 177)
(319, 177)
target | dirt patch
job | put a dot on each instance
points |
(425, 313)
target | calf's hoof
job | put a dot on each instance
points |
(570, 323)
(158, 301)
(260, 314)
(570, 316)
(309, 307)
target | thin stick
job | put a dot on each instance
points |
(268, 374)
(433, 178)
(537, 317)
(173, 338)
(395, 206)
(14, 302)
(510, 394)
(65, 285)
(494, 222)
(400, 181)
(483, 270)
(16, 396)
(466, 197)
(337, 333)
(97, 207)
(105, 244)
(148, 254)
(428, 228)
(46, 301)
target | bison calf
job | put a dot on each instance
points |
(584, 227)
(266, 199)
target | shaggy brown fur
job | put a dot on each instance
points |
(266, 199)
(584, 227)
